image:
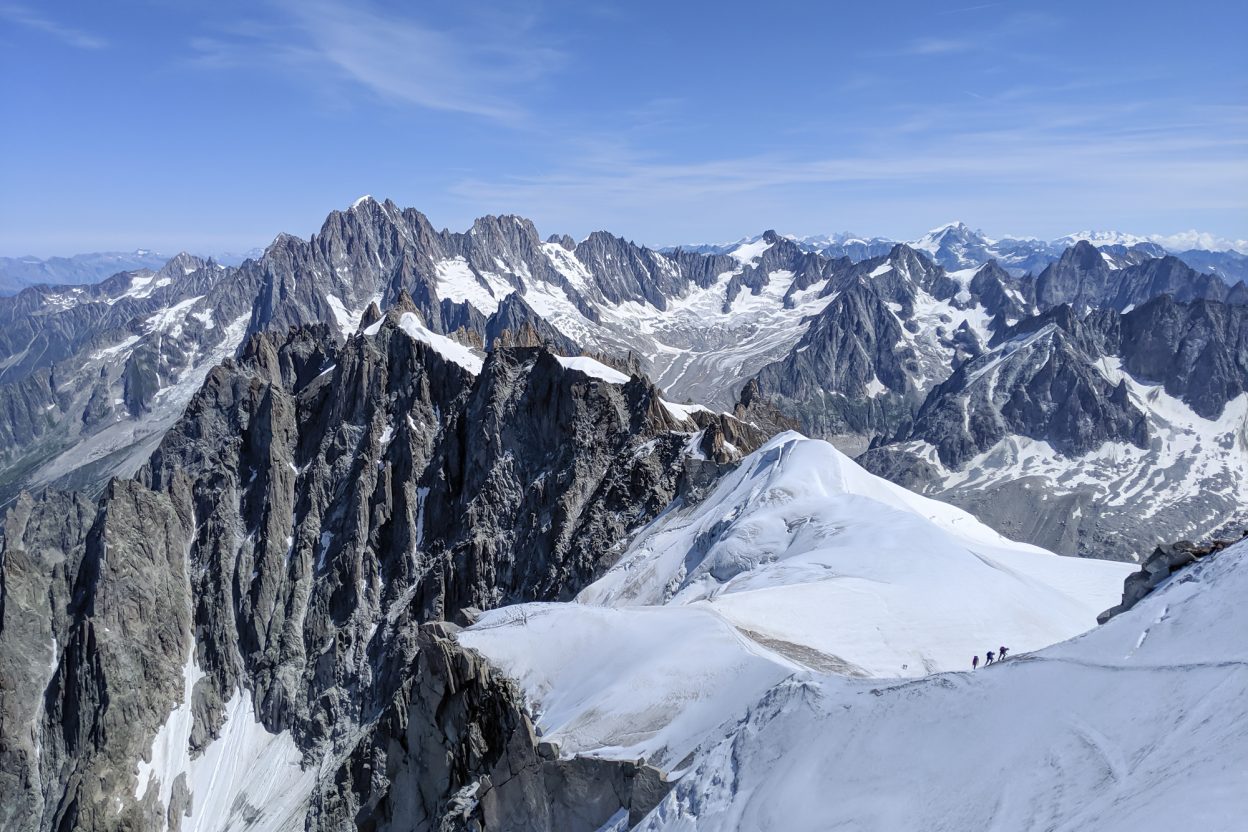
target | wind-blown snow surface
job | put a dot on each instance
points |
(648, 682)
(798, 561)
(1141, 724)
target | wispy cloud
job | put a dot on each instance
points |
(403, 60)
(23, 16)
(977, 7)
(1014, 29)
(939, 46)
(1085, 163)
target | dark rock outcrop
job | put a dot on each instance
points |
(1164, 562)
(1084, 279)
(1080, 278)
(1039, 385)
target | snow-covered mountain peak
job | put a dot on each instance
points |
(1101, 238)
(956, 227)
(956, 246)
(803, 545)
(182, 263)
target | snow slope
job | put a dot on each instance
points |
(593, 368)
(1141, 724)
(245, 777)
(796, 563)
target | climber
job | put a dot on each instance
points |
(974, 663)
(1001, 653)
(989, 657)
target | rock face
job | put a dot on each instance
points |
(1198, 350)
(92, 376)
(1036, 384)
(912, 325)
(455, 750)
(894, 328)
(956, 247)
(1004, 298)
(44, 544)
(1106, 418)
(273, 564)
(1080, 278)
(846, 376)
(115, 626)
(1084, 279)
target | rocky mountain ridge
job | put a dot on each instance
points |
(1128, 425)
(255, 595)
(18, 273)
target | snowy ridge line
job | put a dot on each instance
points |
(448, 348)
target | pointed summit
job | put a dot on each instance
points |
(371, 315)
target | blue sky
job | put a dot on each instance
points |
(213, 126)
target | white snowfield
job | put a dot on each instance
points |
(798, 561)
(628, 683)
(728, 648)
(593, 368)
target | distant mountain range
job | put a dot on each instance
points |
(882, 355)
(16, 273)
(954, 246)
(957, 246)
